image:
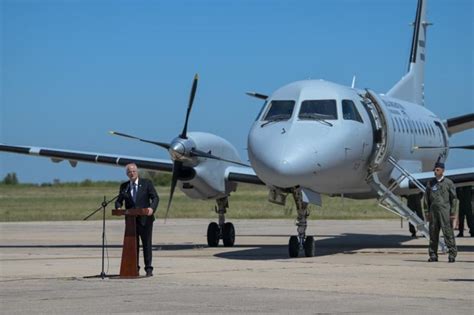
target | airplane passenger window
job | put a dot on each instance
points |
(349, 111)
(318, 109)
(400, 124)
(280, 110)
(417, 127)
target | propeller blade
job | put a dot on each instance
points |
(199, 153)
(177, 165)
(161, 144)
(190, 105)
(464, 147)
(257, 95)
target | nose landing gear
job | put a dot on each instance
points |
(301, 242)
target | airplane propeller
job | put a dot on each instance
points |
(181, 148)
(177, 164)
(463, 147)
(161, 144)
(177, 167)
(190, 106)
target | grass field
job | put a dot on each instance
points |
(58, 202)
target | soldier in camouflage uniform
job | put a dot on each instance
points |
(440, 198)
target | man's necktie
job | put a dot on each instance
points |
(134, 192)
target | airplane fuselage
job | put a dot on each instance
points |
(321, 135)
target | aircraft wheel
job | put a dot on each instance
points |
(309, 246)
(228, 234)
(293, 246)
(213, 234)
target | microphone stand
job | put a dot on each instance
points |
(104, 204)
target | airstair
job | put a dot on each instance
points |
(393, 203)
(386, 196)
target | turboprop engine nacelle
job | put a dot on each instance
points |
(209, 180)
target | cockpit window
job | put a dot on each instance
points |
(280, 110)
(318, 109)
(349, 111)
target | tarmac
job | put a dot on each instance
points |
(367, 267)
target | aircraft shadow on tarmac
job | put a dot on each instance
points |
(348, 243)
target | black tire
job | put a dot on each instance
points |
(309, 246)
(228, 234)
(293, 246)
(213, 234)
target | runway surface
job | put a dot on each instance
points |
(360, 267)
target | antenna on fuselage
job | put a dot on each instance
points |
(353, 81)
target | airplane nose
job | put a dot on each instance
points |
(290, 158)
(282, 165)
(281, 173)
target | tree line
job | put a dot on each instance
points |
(158, 179)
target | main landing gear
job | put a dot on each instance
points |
(301, 241)
(223, 230)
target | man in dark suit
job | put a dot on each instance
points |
(140, 193)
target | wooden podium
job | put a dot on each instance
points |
(129, 264)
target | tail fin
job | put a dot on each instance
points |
(411, 86)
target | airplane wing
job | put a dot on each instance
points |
(233, 173)
(460, 177)
(243, 175)
(460, 123)
(58, 155)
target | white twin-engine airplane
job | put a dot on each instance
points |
(312, 137)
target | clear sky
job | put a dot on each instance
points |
(73, 70)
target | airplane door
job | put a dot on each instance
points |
(383, 136)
